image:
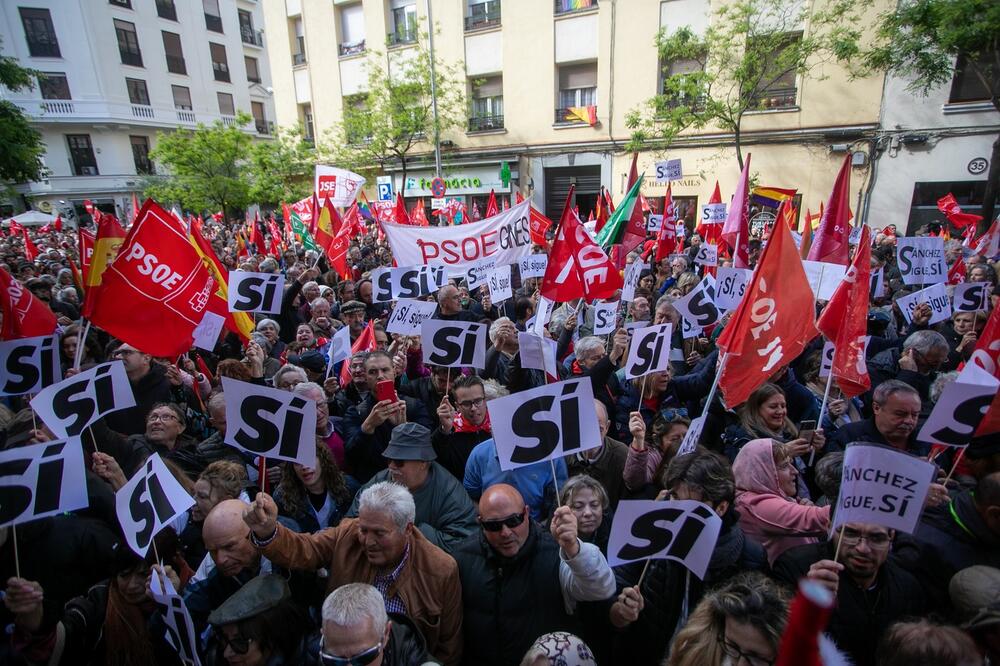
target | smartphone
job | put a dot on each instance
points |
(806, 430)
(385, 391)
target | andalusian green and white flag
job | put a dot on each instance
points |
(301, 232)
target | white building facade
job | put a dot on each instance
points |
(117, 72)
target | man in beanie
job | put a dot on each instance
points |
(445, 514)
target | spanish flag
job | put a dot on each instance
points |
(239, 323)
(108, 241)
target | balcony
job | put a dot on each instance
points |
(571, 6)
(213, 23)
(175, 65)
(265, 127)
(130, 58)
(481, 19)
(58, 107)
(143, 111)
(298, 58)
(144, 167)
(229, 121)
(69, 112)
(351, 49)
(400, 37)
(221, 71)
(185, 116)
(774, 99)
(251, 36)
(485, 123)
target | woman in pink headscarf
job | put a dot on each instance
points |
(766, 499)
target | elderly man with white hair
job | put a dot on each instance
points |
(381, 547)
(503, 336)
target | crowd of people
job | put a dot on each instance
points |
(406, 543)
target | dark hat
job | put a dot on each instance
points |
(261, 594)
(410, 441)
(875, 315)
(975, 594)
(352, 306)
(310, 360)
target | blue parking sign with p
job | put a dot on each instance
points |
(385, 190)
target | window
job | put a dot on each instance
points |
(299, 50)
(404, 22)
(140, 154)
(482, 14)
(487, 104)
(966, 86)
(357, 122)
(568, 6)
(166, 9)
(213, 17)
(352, 29)
(777, 89)
(253, 71)
(226, 106)
(219, 63)
(259, 120)
(577, 88)
(182, 98)
(39, 33)
(247, 33)
(54, 85)
(127, 4)
(677, 73)
(174, 53)
(307, 122)
(128, 43)
(81, 154)
(137, 93)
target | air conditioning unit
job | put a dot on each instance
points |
(88, 171)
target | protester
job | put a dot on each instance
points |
(222, 480)
(923, 642)
(460, 430)
(588, 500)
(896, 410)
(150, 386)
(604, 463)
(315, 497)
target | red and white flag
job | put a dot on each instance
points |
(578, 267)
(956, 274)
(736, 230)
(949, 206)
(830, 244)
(987, 356)
(666, 240)
(491, 205)
(989, 244)
(24, 316)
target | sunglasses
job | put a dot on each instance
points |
(239, 644)
(510, 521)
(362, 658)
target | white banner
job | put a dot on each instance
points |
(498, 282)
(971, 297)
(339, 185)
(698, 307)
(255, 292)
(542, 316)
(149, 502)
(29, 364)
(180, 629)
(668, 170)
(454, 344)
(392, 284)
(408, 317)
(936, 296)
(730, 285)
(961, 408)
(606, 317)
(550, 421)
(631, 280)
(713, 213)
(708, 255)
(921, 260)
(340, 346)
(68, 407)
(538, 353)
(882, 486)
(533, 265)
(824, 278)
(41, 480)
(684, 531)
(503, 237)
(649, 350)
(270, 422)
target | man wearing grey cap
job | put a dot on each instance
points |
(352, 313)
(259, 624)
(445, 514)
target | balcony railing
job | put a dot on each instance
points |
(130, 58)
(482, 20)
(298, 58)
(352, 49)
(570, 6)
(213, 22)
(166, 9)
(401, 37)
(251, 36)
(265, 127)
(229, 121)
(144, 167)
(221, 71)
(185, 116)
(485, 123)
(176, 65)
(43, 49)
(58, 107)
(775, 98)
(143, 111)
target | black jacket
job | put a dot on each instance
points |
(151, 388)
(364, 452)
(422, 389)
(453, 449)
(957, 534)
(885, 366)
(861, 616)
(865, 431)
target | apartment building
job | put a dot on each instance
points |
(117, 72)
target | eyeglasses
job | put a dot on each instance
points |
(511, 521)
(736, 653)
(239, 644)
(124, 352)
(470, 404)
(161, 417)
(360, 659)
(851, 537)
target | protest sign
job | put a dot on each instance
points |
(339, 185)
(148, 502)
(454, 344)
(391, 284)
(698, 306)
(255, 292)
(877, 287)
(538, 353)
(477, 273)
(708, 255)
(826, 359)
(408, 316)
(41, 480)
(691, 437)
(542, 316)
(653, 223)
(882, 486)
(504, 237)
(855, 237)
(649, 350)
(824, 278)
(730, 285)
(668, 170)
(73, 404)
(180, 629)
(206, 333)
(498, 282)
(550, 421)
(960, 409)
(606, 317)
(921, 259)
(971, 297)
(684, 531)
(936, 296)
(270, 422)
(631, 280)
(533, 265)
(29, 365)
(713, 213)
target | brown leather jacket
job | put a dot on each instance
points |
(428, 585)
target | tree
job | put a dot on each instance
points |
(924, 39)
(394, 118)
(21, 157)
(747, 60)
(281, 170)
(207, 167)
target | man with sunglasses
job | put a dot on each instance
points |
(520, 581)
(873, 590)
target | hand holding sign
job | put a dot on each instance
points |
(564, 529)
(148, 502)
(681, 530)
(262, 516)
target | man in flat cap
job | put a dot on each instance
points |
(352, 313)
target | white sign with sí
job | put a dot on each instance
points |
(270, 422)
(68, 407)
(649, 350)
(150, 501)
(606, 317)
(730, 285)
(41, 480)
(498, 282)
(971, 297)
(408, 316)
(454, 344)
(255, 292)
(533, 266)
(29, 364)
(960, 409)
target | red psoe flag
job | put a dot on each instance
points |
(772, 324)
(491, 205)
(956, 274)
(24, 316)
(401, 216)
(635, 228)
(538, 224)
(949, 206)
(830, 244)
(157, 290)
(844, 322)
(736, 230)
(578, 267)
(666, 240)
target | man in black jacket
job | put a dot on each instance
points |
(450, 306)
(873, 591)
(459, 431)
(896, 409)
(150, 386)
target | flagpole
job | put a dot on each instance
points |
(822, 413)
(80, 342)
(715, 382)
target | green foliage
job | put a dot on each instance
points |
(23, 149)
(282, 169)
(749, 47)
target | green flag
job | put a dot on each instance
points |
(611, 233)
(302, 233)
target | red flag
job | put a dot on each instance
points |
(85, 242)
(666, 240)
(475, 215)
(337, 251)
(58, 223)
(989, 244)
(956, 274)
(45, 229)
(830, 244)
(256, 237)
(987, 356)
(844, 322)
(949, 206)
(401, 216)
(15, 229)
(602, 213)
(135, 207)
(24, 316)
(352, 219)
(635, 229)
(491, 205)
(705, 230)
(365, 342)
(106, 246)
(157, 290)
(517, 197)
(577, 265)
(418, 217)
(772, 324)
(736, 230)
(538, 224)
(90, 208)
(787, 212)
(30, 250)
(240, 323)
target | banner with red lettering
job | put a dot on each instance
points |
(339, 186)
